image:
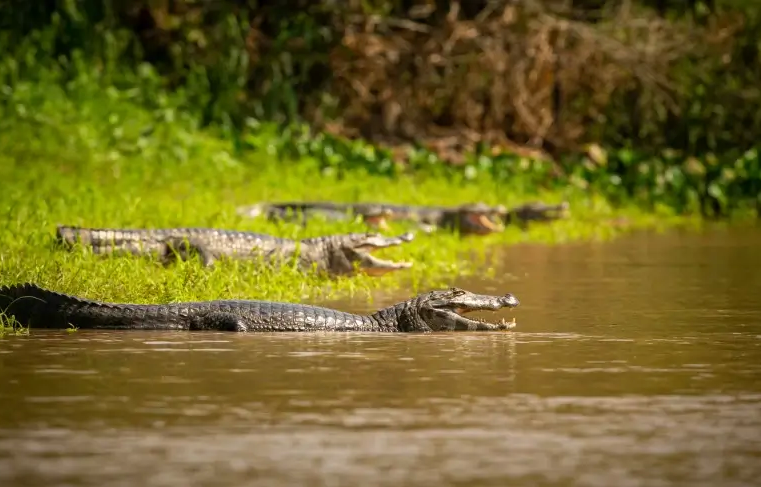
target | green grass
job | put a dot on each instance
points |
(90, 157)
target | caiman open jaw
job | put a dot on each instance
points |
(480, 219)
(371, 265)
(445, 310)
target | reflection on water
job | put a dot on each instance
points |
(634, 363)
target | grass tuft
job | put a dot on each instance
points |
(10, 326)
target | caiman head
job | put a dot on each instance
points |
(474, 219)
(536, 211)
(444, 311)
(351, 253)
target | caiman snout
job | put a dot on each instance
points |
(445, 310)
(509, 301)
(476, 302)
(537, 211)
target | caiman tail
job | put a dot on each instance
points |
(72, 235)
(112, 237)
(127, 240)
(441, 310)
(29, 304)
(34, 306)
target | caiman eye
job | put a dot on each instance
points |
(457, 291)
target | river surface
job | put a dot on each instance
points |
(634, 363)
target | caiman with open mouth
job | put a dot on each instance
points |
(335, 255)
(433, 311)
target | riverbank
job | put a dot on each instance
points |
(93, 158)
(42, 193)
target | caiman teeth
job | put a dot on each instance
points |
(502, 321)
(486, 222)
(389, 263)
(508, 325)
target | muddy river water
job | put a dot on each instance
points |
(635, 363)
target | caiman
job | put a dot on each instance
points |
(440, 310)
(332, 254)
(374, 216)
(468, 219)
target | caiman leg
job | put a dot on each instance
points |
(185, 248)
(218, 320)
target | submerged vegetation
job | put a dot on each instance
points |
(9, 325)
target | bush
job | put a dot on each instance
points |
(497, 88)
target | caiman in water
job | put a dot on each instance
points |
(441, 310)
(332, 254)
(473, 218)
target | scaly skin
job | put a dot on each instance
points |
(373, 215)
(468, 219)
(333, 254)
(433, 311)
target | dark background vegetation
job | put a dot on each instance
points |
(613, 82)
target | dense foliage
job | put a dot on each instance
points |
(655, 100)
